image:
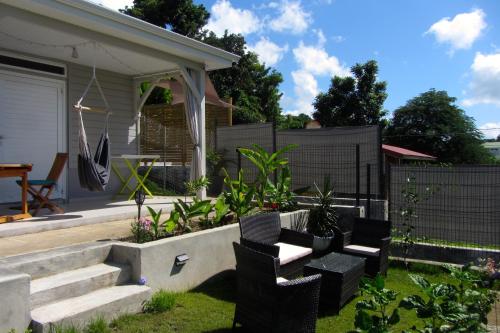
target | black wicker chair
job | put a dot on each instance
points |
(266, 303)
(370, 239)
(263, 233)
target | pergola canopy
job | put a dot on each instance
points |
(125, 45)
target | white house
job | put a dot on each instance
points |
(47, 50)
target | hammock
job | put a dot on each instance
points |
(94, 171)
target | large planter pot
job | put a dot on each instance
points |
(321, 244)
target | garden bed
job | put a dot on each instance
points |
(210, 252)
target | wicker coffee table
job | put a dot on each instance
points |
(340, 276)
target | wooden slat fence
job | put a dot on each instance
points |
(164, 131)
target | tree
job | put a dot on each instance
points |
(181, 16)
(293, 122)
(353, 101)
(252, 86)
(432, 123)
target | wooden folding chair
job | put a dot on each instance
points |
(37, 187)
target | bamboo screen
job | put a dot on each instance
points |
(164, 131)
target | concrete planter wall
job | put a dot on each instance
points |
(210, 253)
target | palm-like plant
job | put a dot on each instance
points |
(266, 164)
(238, 195)
(323, 217)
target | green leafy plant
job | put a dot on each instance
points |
(97, 325)
(181, 217)
(408, 211)
(323, 218)
(65, 329)
(161, 301)
(221, 209)
(280, 195)
(471, 291)
(372, 314)
(156, 228)
(448, 308)
(238, 195)
(195, 185)
(266, 164)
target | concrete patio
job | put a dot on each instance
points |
(81, 212)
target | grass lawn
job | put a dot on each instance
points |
(210, 308)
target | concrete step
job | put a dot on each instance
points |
(107, 303)
(77, 282)
(54, 261)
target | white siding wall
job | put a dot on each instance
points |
(119, 93)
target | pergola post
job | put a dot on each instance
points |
(202, 194)
(195, 81)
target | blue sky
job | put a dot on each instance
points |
(452, 45)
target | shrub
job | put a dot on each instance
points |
(65, 329)
(97, 325)
(372, 315)
(161, 301)
(449, 308)
(323, 218)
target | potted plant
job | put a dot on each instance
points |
(323, 218)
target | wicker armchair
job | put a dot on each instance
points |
(263, 233)
(370, 239)
(266, 303)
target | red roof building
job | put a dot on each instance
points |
(395, 155)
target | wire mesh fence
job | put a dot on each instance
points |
(458, 206)
(319, 153)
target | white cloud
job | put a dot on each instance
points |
(490, 130)
(292, 18)
(321, 37)
(312, 60)
(485, 85)
(224, 16)
(317, 61)
(306, 89)
(268, 52)
(461, 31)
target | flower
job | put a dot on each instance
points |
(145, 223)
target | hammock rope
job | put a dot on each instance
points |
(93, 171)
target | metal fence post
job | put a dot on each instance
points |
(275, 174)
(357, 175)
(368, 189)
(380, 163)
(239, 159)
(215, 135)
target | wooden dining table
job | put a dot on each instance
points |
(17, 170)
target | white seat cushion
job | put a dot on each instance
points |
(366, 250)
(280, 279)
(289, 252)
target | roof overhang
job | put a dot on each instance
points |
(406, 154)
(132, 41)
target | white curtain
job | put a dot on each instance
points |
(192, 106)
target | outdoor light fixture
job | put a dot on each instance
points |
(139, 197)
(181, 259)
(74, 54)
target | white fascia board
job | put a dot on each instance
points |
(106, 21)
